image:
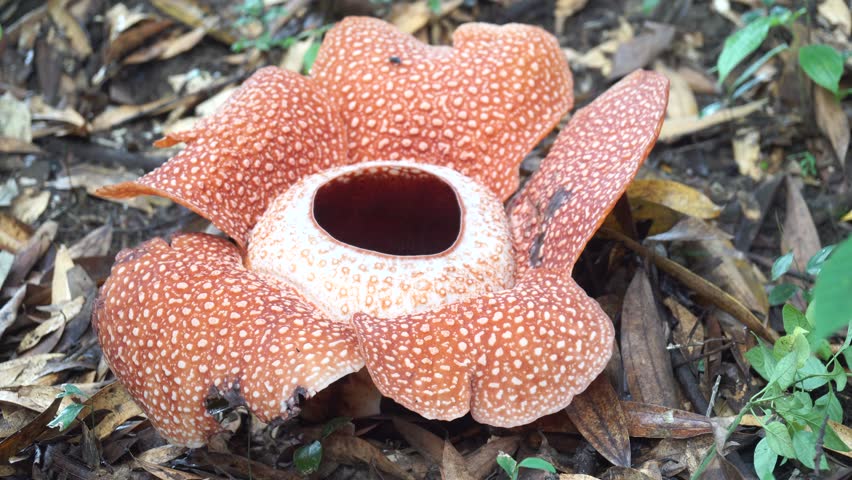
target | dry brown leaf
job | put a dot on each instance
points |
(647, 363)
(183, 43)
(733, 273)
(40, 110)
(95, 244)
(114, 116)
(598, 57)
(92, 177)
(655, 421)
(746, 146)
(133, 38)
(14, 145)
(25, 370)
(425, 442)
(642, 49)
(800, 233)
(565, 9)
(598, 416)
(114, 399)
(14, 234)
(193, 15)
(453, 464)
(682, 101)
(295, 57)
(32, 397)
(166, 473)
(688, 333)
(576, 476)
(30, 204)
(832, 121)
(837, 13)
(27, 436)
(60, 292)
(162, 454)
(690, 229)
(353, 450)
(677, 127)
(411, 17)
(67, 311)
(677, 196)
(69, 27)
(698, 82)
(32, 252)
(9, 312)
(482, 462)
(16, 119)
(624, 473)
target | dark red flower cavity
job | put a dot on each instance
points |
(403, 211)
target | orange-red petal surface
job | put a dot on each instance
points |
(278, 127)
(478, 107)
(588, 168)
(182, 321)
(508, 357)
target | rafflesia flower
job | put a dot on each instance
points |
(365, 203)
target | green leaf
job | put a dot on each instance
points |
(508, 464)
(782, 265)
(435, 6)
(832, 300)
(812, 366)
(779, 439)
(823, 64)
(65, 417)
(741, 44)
(307, 458)
(781, 293)
(71, 390)
(838, 374)
(804, 442)
(761, 360)
(311, 56)
(764, 460)
(829, 404)
(537, 464)
(793, 318)
(815, 263)
(785, 371)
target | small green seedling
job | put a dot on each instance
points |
(66, 417)
(824, 65)
(307, 458)
(511, 467)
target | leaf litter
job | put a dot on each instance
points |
(684, 299)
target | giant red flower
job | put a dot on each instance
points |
(365, 203)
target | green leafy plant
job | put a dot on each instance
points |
(801, 365)
(67, 415)
(307, 458)
(256, 11)
(512, 467)
(824, 65)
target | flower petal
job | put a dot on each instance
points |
(508, 357)
(278, 127)
(478, 108)
(588, 168)
(182, 321)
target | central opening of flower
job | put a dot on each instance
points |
(395, 210)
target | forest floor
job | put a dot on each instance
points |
(744, 172)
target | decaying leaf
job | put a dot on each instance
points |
(837, 13)
(16, 118)
(647, 362)
(563, 10)
(453, 465)
(598, 415)
(800, 234)
(642, 49)
(832, 121)
(30, 205)
(353, 450)
(677, 196)
(675, 128)
(92, 177)
(682, 101)
(746, 145)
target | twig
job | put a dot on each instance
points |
(701, 286)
